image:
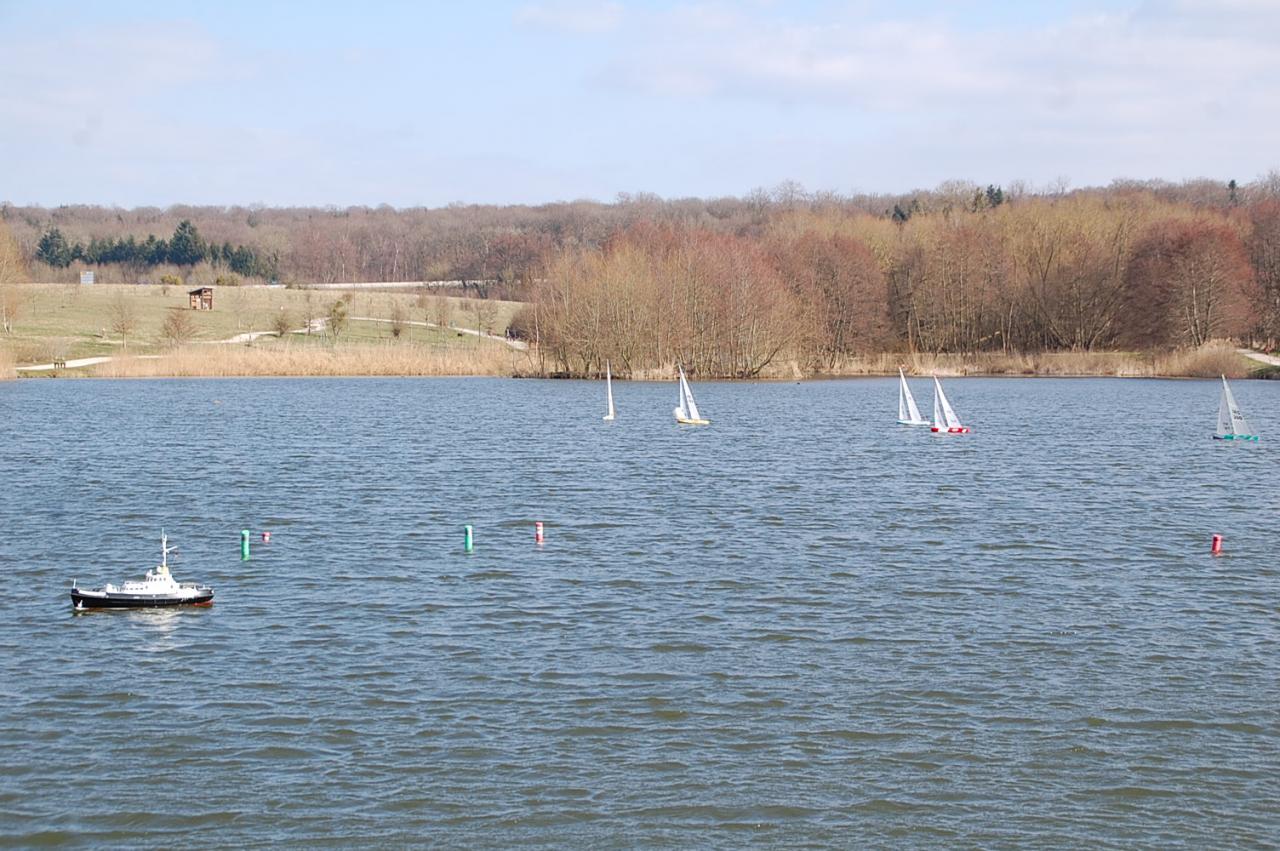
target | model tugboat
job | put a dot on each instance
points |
(157, 588)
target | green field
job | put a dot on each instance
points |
(68, 321)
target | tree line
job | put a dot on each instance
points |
(185, 248)
(729, 286)
(1080, 272)
(500, 248)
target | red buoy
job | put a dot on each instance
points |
(1217, 545)
(537, 532)
(266, 537)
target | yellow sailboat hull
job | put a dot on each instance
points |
(683, 421)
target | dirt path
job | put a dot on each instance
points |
(1270, 360)
(518, 345)
(79, 362)
(317, 326)
(67, 364)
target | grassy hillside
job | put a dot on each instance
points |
(68, 321)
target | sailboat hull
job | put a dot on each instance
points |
(1237, 437)
(913, 422)
(954, 430)
(684, 421)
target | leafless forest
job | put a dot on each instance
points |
(727, 286)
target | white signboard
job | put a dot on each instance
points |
(86, 277)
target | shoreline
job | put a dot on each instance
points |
(808, 379)
(77, 375)
(490, 360)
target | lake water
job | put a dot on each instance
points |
(803, 625)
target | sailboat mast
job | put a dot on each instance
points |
(608, 384)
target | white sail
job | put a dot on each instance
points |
(907, 410)
(688, 409)
(608, 389)
(682, 410)
(689, 405)
(1224, 410)
(1230, 419)
(948, 419)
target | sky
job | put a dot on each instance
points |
(138, 103)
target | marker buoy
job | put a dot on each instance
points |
(468, 539)
(244, 544)
(266, 537)
(537, 532)
(1217, 545)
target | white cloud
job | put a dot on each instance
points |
(695, 98)
(1172, 83)
(574, 17)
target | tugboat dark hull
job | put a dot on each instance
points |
(82, 600)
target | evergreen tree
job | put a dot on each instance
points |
(155, 251)
(131, 252)
(96, 252)
(242, 261)
(53, 249)
(186, 248)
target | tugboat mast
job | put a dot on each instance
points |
(164, 553)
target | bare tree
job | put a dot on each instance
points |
(337, 319)
(399, 319)
(240, 307)
(441, 311)
(12, 270)
(282, 323)
(124, 318)
(486, 316)
(12, 300)
(309, 312)
(178, 327)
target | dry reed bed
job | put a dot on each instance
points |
(1208, 361)
(342, 360)
(496, 360)
(6, 366)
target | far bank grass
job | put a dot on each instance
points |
(67, 321)
(342, 359)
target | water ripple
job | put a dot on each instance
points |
(801, 627)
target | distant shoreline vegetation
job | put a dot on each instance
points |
(387, 360)
(779, 282)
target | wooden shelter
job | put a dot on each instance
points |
(201, 299)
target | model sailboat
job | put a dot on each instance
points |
(945, 420)
(608, 392)
(687, 411)
(908, 413)
(1231, 422)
